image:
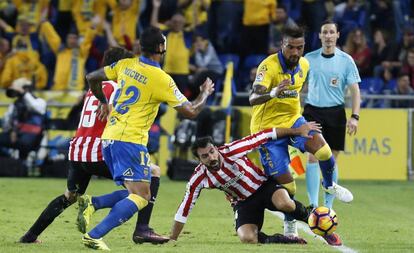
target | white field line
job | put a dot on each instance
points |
(306, 229)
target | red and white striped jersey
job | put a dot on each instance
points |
(86, 146)
(237, 176)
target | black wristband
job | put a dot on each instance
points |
(355, 116)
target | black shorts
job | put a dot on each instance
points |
(251, 210)
(333, 122)
(80, 174)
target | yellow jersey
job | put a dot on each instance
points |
(177, 57)
(257, 13)
(143, 85)
(284, 110)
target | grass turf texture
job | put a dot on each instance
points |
(381, 219)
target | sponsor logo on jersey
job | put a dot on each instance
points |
(233, 180)
(112, 121)
(178, 94)
(288, 94)
(335, 82)
(260, 77)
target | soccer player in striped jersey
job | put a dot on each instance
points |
(228, 169)
(85, 157)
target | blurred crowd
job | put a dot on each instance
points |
(54, 43)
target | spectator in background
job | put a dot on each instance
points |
(24, 63)
(179, 43)
(257, 17)
(398, 55)
(83, 12)
(195, 13)
(408, 66)
(383, 51)
(63, 19)
(404, 87)
(349, 15)
(4, 53)
(35, 10)
(313, 13)
(356, 45)
(124, 21)
(407, 43)
(282, 20)
(224, 21)
(380, 9)
(24, 120)
(71, 58)
(206, 64)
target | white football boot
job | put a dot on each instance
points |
(340, 192)
(290, 228)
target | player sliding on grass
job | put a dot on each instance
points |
(227, 168)
(85, 158)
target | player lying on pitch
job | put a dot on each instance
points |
(227, 168)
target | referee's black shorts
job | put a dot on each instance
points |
(80, 174)
(251, 210)
(333, 122)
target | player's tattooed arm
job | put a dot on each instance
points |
(95, 79)
(259, 94)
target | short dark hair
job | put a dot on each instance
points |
(293, 31)
(330, 21)
(115, 54)
(201, 142)
(150, 39)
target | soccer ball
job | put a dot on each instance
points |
(323, 221)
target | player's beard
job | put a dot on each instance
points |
(292, 61)
(214, 165)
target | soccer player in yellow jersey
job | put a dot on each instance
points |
(143, 86)
(276, 103)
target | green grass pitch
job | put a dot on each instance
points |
(381, 219)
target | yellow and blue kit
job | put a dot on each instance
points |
(281, 111)
(143, 86)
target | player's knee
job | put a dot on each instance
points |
(323, 153)
(155, 170)
(248, 237)
(291, 188)
(287, 205)
(71, 197)
(139, 201)
(282, 201)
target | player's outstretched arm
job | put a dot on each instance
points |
(192, 109)
(259, 94)
(94, 80)
(176, 230)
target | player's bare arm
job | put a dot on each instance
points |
(94, 80)
(259, 94)
(192, 109)
(176, 230)
(352, 123)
